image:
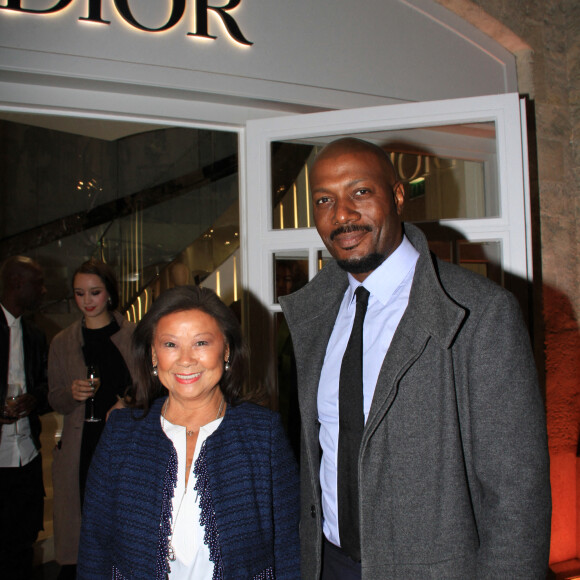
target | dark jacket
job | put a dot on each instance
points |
(453, 465)
(253, 484)
(35, 361)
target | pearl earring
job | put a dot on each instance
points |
(155, 373)
(227, 366)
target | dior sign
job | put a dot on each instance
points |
(200, 9)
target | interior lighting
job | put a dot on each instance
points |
(295, 199)
(146, 299)
(235, 280)
(307, 190)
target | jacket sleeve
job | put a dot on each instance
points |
(286, 508)
(95, 560)
(59, 382)
(37, 369)
(503, 420)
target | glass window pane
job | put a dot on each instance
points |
(482, 257)
(449, 172)
(322, 259)
(290, 191)
(290, 271)
(161, 207)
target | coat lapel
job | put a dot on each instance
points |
(310, 314)
(430, 315)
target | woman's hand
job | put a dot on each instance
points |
(81, 390)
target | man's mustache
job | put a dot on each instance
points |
(348, 230)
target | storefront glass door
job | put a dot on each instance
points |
(462, 166)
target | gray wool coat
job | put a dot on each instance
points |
(453, 464)
(65, 364)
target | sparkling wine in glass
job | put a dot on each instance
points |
(94, 377)
(13, 391)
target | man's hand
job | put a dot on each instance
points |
(23, 406)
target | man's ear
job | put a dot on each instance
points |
(399, 197)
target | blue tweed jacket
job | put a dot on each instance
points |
(249, 495)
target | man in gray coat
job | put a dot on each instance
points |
(451, 476)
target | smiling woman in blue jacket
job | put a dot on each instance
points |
(197, 484)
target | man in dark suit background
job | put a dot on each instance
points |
(23, 357)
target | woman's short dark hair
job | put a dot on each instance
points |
(148, 387)
(106, 274)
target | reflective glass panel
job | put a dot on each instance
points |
(322, 259)
(449, 172)
(483, 258)
(160, 206)
(290, 271)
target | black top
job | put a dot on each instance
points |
(115, 378)
(99, 350)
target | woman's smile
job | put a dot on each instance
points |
(187, 378)
(189, 351)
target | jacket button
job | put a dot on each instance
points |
(312, 511)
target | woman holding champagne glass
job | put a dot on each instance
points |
(89, 371)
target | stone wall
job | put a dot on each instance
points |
(551, 78)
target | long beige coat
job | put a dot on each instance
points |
(65, 364)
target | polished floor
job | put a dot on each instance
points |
(45, 566)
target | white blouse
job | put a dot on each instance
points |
(192, 555)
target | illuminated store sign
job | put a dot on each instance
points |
(201, 10)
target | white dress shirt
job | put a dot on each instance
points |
(16, 445)
(389, 286)
(192, 553)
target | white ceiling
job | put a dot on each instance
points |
(95, 128)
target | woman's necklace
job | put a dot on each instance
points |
(191, 433)
(170, 550)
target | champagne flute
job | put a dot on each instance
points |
(13, 391)
(94, 377)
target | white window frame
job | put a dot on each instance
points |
(511, 227)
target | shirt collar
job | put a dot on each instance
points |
(383, 281)
(10, 320)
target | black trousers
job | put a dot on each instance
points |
(21, 516)
(336, 565)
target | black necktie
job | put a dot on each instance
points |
(351, 424)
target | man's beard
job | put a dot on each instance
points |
(357, 265)
(362, 265)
